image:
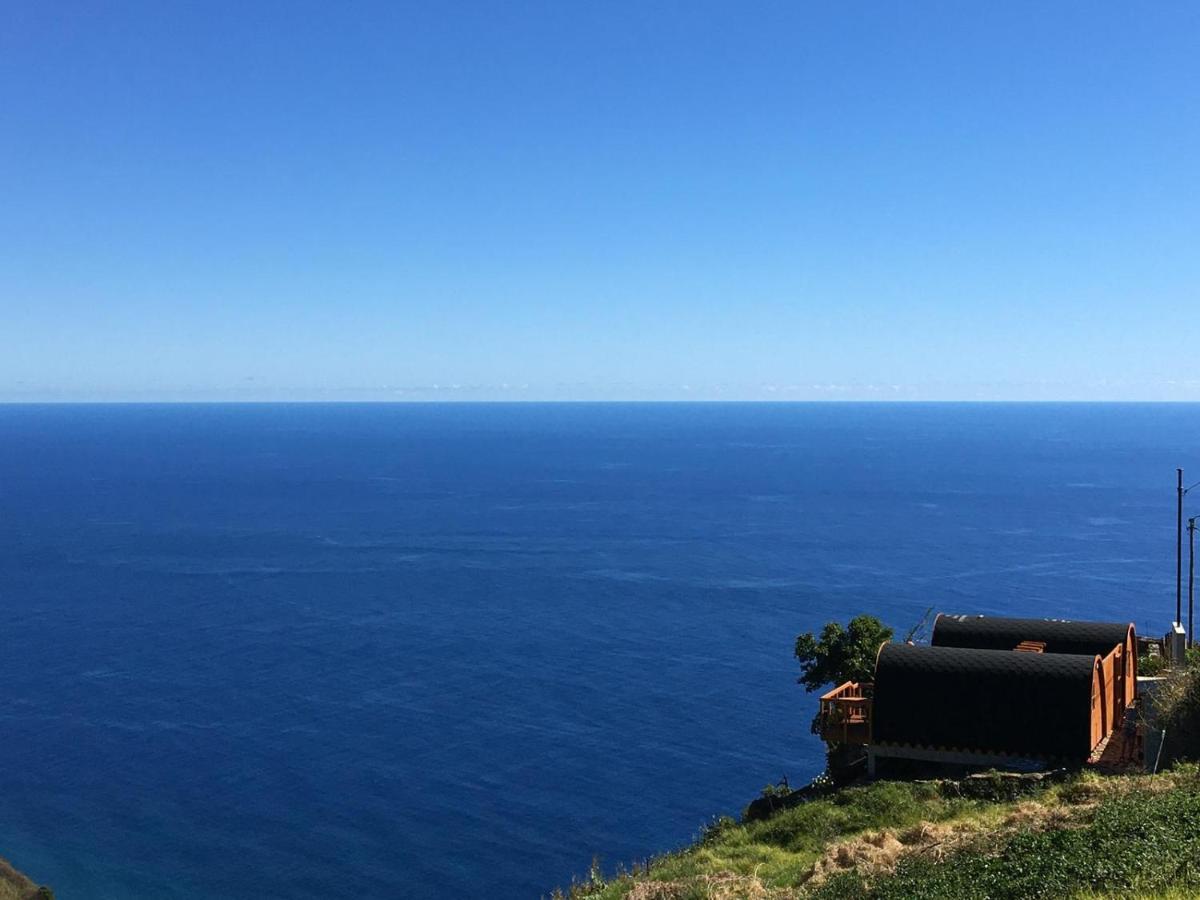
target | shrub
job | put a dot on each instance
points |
(840, 654)
(1151, 666)
(1178, 703)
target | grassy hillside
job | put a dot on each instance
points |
(993, 837)
(15, 886)
(1132, 835)
(1085, 837)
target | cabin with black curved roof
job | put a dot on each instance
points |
(990, 691)
(1117, 640)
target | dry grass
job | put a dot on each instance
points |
(880, 852)
(15, 886)
(869, 853)
(724, 886)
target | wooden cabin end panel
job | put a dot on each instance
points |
(1097, 718)
(1130, 667)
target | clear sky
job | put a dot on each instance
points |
(599, 200)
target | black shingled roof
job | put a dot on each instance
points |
(1034, 705)
(999, 633)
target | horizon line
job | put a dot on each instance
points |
(699, 401)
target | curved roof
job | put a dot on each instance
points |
(985, 701)
(999, 633)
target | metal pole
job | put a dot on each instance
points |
(1179, 547)
(1191, 572)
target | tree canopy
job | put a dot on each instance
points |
(840, 654)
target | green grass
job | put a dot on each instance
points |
(1087, 838)
(1137, 842)
(781, 850)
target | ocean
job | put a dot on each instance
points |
(458, 650)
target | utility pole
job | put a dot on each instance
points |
(1179, 547)
(1191, 572)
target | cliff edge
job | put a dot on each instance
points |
(16, 886)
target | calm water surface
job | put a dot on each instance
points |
(456, 650)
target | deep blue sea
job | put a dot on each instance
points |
(317, 651)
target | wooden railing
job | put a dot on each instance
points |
(844, 716)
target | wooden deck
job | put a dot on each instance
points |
(844, 716)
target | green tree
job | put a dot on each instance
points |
(840, 654)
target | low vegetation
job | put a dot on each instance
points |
(1085, 837)
(1141, 836)
(15, 886)
(1152, 665)
(1177, 700)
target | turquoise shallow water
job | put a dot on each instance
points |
(456, 650)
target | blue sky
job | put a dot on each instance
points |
(599, 201)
